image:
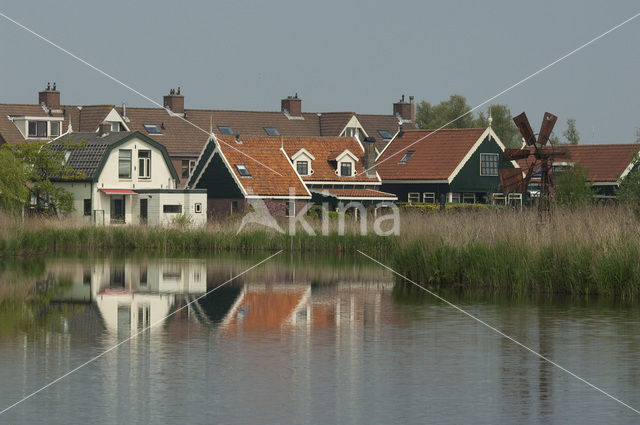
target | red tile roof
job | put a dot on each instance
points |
(262, 164)
(435, 157)
(604, 163)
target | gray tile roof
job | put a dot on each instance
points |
(88, 158)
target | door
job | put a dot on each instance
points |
(117, 210)
(144, 208)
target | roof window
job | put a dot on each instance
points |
(272, 131)
(406, 157)
(152, 129)
(243, 170)
(385, 134)
(225, 129)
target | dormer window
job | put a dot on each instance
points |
(37, 129)
(302, 167)
(345, 169)
(152, 129)
(115, 127)
(55, 128)
(242, 170)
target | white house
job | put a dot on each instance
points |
(128, 179)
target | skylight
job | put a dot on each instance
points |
(225, 129)
(243, 170)
(385, 134)
(406, 157)
(272, 131)
(152, 129)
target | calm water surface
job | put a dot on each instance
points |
(298, 341)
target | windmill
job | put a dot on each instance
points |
(540, 157)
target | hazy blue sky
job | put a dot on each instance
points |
(338, 55)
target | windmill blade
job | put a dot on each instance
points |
(548, 122)
(510, 179)
(525, 182)
(515, 154)
(525, 129)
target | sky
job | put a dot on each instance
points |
(338, 55)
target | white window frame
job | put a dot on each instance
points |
(429, 195)
(493, 155)
(351, 167)
(308, 168)
(288, 211)
(144, 165)
(415, 195)
(197, 208)
(455, 198)
(130, 163)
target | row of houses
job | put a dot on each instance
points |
(155, 164)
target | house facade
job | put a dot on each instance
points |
(127, 178)
(457, 165)
(286, 173)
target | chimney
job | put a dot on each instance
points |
(174, 101)
(104, 128)
(369, 160)
(50, 97)
(405, 110)
(293, 105)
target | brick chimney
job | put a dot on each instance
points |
(405, 110)
(369, 160)
(104, 128)
(50, 97)
(293, 105)
(174, 101)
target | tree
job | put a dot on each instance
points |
(40, 163)
(502, 123)
(629, 191)
(14, 193)
(571, 135)
(573, 189)
(444, 113)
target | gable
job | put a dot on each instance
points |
(469, 179)
(218, 181)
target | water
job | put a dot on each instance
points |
(299, 341)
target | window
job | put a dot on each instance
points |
(429, 198)
(234, 207)
(55, 128)
(152, 129)
(225, 129)
(385, 134)
(455, 198)
(197, 208)
(290, 209)
(345, 169)
(144, 164)
(272, 131)
(115, 126)
(302, 167)
(172, 209)
(469, 198)
(87, 207)
(187, 167)
(489, 164)
(86, 277)
(406, 157)
(124, 164)
(243, 170)
(413, 197)
(352, 132)
(38, 128)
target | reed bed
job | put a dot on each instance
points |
(594, 250)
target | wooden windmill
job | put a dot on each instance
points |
(540, 157)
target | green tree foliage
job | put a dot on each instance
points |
(432, 117)
(572, 187)
(502, 123)
(40, 163)
(571, 135)
(629, 190)
(14, 193)
(428, 116)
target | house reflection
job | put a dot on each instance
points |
(130, 295)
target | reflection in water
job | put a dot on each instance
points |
(297, 342)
